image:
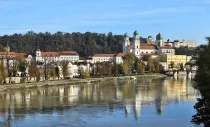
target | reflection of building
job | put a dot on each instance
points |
(73, 93)
(179, 89)
(159, 105)
(128, 108)
(137, 106)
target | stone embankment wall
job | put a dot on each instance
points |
(8, 87)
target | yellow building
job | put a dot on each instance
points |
(177, 59)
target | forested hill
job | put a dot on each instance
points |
(85, 44)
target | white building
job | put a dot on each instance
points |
(119, 59)
(184, 43)
(103, 58)
(108, 58)
(133, 47)
(71, 56)
(149, 48)
(188, 43)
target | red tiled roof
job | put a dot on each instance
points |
(120, 54)
(58, 53)
(19, 54)
(68, 53)
(152, 47)
(144, 47)
(103, 55)
(147, 47)
(176, 40)
(49, 53)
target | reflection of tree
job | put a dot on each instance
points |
(128, 91)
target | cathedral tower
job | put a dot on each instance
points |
(136, 44)
(159, 40)
(126, 44)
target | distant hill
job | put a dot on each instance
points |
(85, 44)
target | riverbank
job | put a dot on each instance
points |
(8, 87)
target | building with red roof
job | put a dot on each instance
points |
(71, 56)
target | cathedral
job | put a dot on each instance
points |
(149, 48)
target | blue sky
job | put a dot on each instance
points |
(178, 19)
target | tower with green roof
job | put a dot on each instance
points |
(126, 44)
(136, 44)
(159, 40)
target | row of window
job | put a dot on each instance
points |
(99, 59)
(55, 60)
(62, 58)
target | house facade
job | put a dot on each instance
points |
(71, 56)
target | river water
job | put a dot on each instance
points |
(164, 102)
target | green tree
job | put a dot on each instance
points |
(87, 75)
(3, 72)
(202, 84)
(22, 64)
(81, 72)
(52, 73)
(33, 70)
(140, 67)
(65, 68)
(85, 44)
(125, 67)
(57, 72)
(146, 57)
(171, 65)
(162, 58)
(130, 59)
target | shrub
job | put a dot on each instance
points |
(23, 80)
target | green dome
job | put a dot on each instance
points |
(126, 35)
(136, 33)
(159, 37)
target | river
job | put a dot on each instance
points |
(144, 102)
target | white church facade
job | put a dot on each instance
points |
(151, 48)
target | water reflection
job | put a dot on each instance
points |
(130, 96)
